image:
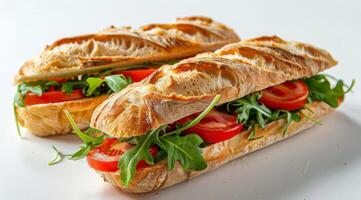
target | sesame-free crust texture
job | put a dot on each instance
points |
(117, 47)
(179, 90)
(157, 176)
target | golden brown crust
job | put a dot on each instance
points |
(121, 46)
(49, 119)
(177, 91)
(158, 177)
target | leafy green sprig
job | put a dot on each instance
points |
(253, 114)
(90, 141)
(321, 89)
(59, 156)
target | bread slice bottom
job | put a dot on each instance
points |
(158, 177)
(50, 119)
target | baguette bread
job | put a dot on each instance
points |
(180, 90)
(157, 176)
(111, 48)
(116, 47)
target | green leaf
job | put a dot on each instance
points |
(35, 89)
(67, 88)
(129, 160)
(58, 157)
(89, 142)
(81, 153)
(196, 120)
(289, 117)
(49, 84)
(16, 118)
(117, 82)
(320, 89)
(252, 114)
(18, 99)
(86, 138)
(252, 134)
(186, 150)
(93, 84)
(250, 111)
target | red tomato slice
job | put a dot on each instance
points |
(52, 96)
(105, 157)
(215, 127)
(57, 79)
(291, 95)
(136, 74)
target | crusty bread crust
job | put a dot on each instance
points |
(49, 119)
(177, 91)
(158, 177)
(124, 46)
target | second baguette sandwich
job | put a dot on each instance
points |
(194, 116)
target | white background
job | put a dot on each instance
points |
(321, 163)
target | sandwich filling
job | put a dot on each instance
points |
(59, 89)
(183, 140)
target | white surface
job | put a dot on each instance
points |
(321, 163)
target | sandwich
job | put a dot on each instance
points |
(194, 116)
(78, 73)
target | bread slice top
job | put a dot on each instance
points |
(180, 90)
(116, 47)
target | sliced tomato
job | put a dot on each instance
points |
(57, 79)
(291, 95)
(105, 157)
(214, 127)
(52, 96)
(136, 74)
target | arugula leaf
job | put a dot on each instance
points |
(26, 87)
(18, 99)
(129, 160)
(59, 156)
(320, 89)
(185, 149)
(82, 152)
(117, 82)
(114, 82)
(16, 119)
(196, 120)
(290, 116)
(89, 142)
(49, 84)
(93, 84)
(250, 111)
(23, 88)
(69, 86)
(252, 114)
(252, 134)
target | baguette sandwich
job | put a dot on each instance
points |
(78, 73)
(194, 116)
